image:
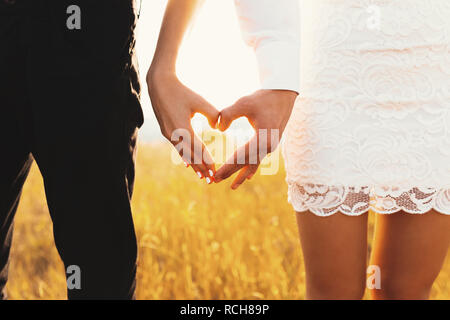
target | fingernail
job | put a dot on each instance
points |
(199, 174)
(211, 173)
(208, 180)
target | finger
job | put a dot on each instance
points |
(228, 115)
(243, 175)
(251, 171)
(198, 169)
(186, 164)
(203, 171)
(247, 154)
(208, 161)
(204, 160)
(226, 171)
(209, 111)
(194, 153)
(192, 156)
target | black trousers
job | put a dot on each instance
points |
(69, 99)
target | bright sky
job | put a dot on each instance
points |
(214, 60)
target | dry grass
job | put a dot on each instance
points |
(195, 241)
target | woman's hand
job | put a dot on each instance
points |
(174, 105)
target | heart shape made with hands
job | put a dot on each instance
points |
(175, 104)
(268, 112)
(245, 159)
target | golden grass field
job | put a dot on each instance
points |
(195, 241)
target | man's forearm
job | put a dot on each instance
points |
(177, 18)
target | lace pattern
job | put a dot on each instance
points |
(353, 201)
(374, 108)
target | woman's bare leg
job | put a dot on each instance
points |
(410, 250)
(335, 255)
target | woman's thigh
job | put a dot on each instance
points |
(335, 255)
(410, 251)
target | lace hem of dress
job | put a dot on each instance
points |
(325, 200)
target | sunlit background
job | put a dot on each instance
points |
(195, 241)
(214, 61)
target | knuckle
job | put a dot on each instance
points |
(225, 114)
(248, 103)
(245, 101)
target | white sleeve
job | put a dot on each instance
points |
(272, 28)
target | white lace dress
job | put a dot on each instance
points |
(371, 128)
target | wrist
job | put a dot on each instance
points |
(281, 100)
(284, 92)
(288, 96)
(159, 72)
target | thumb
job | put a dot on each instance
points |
(228, 115)
(209, 111)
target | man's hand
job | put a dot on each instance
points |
(174, 106)
(268, 111)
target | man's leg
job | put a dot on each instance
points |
(87, 162)
(15, 165)
(88, 193)
(13, 173)
(86, 114)
(14, 149)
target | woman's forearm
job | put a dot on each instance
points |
(272, 28)
(177, 18)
